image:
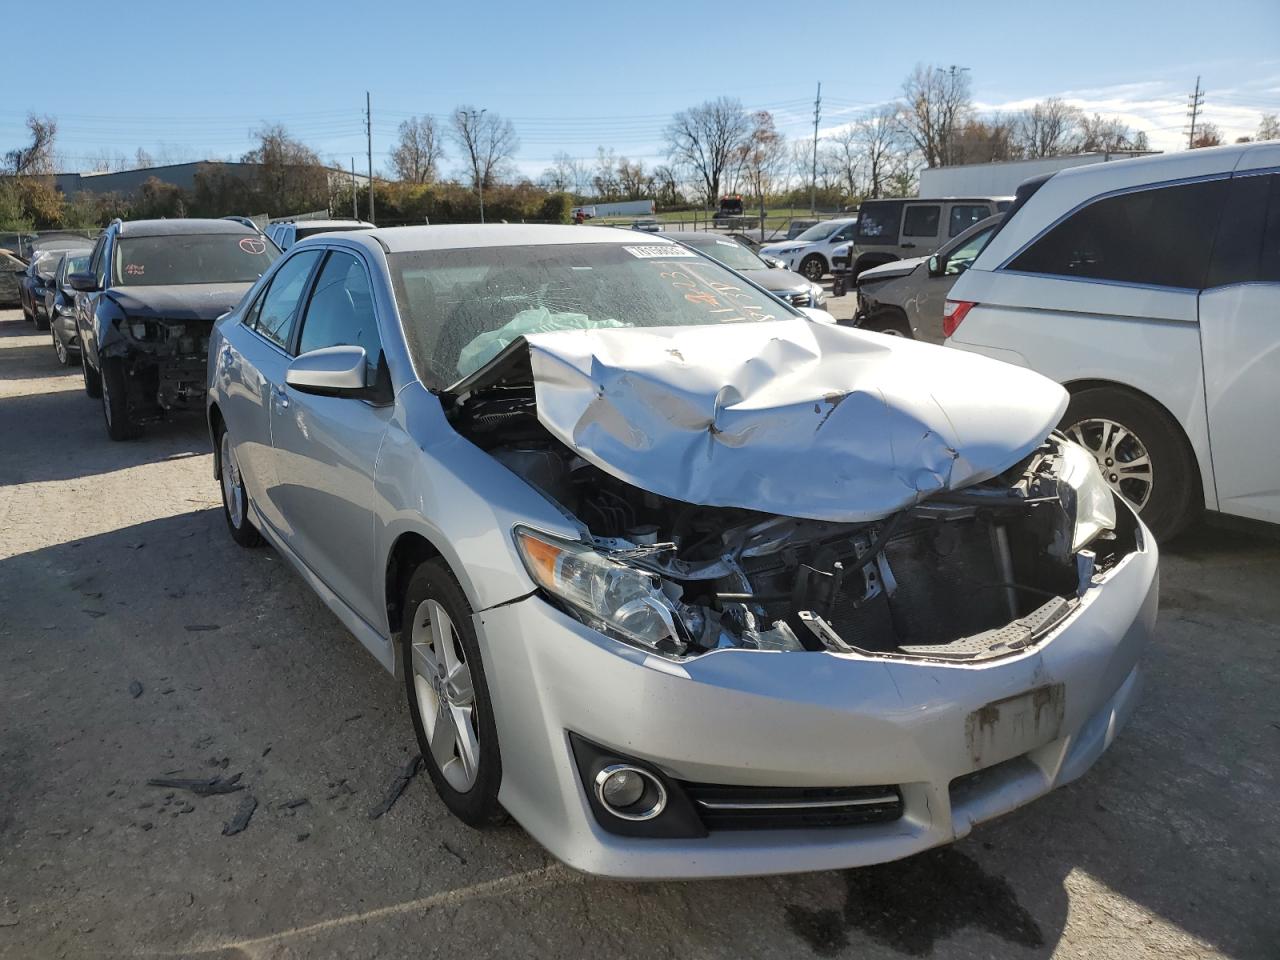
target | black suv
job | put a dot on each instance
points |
(151, 294)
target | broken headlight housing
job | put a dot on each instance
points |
(1084, 494)
(612, 597)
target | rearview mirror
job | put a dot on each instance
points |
(329, 371)
(84, 282)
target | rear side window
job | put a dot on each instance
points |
(1247, 249)
(878, 221)
(1161, 236)
(921, 221)
(965, 215)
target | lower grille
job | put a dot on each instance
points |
(792, 808)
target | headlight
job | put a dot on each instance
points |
(610, 596)
(1085, 494)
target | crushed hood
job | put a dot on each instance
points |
(186, 301)
(789, 417)
(886, 271)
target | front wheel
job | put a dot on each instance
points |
(115, 402)
(448, 696)
(235, 501)
(1142, 453)
(60, 348)
(889, 324)
(41, 320)
(813, 267)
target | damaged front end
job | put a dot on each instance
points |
(956, 574)
(164, 361)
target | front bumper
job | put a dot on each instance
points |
(797, 719)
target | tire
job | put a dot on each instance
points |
(26, 314)
(61, 350)
(115, 404)
(813, 267)
(235, 499)
(92, 379)
(889, 324)
(434, 608)
(1166, 493)
(41, 322)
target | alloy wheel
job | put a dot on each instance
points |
(446, 697)
(1121, 455)
(232, 483)
(60, 348)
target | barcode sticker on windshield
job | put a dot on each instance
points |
(662, 251)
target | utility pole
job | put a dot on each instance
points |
(368, 133)
(1194, 103)
(355, 212)
(813, 176)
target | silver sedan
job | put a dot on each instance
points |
(686, 580)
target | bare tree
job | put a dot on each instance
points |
(879, 136)
(488, 142)
(1207, 135)
(707, 139)
(633, 182)
(37, 157)
(1099, 134)
(936, 107)
(605, 180)
(763, 156)
(666, 184)
(142, 160)
(566, 175)
(290, 177)
(417, 155)
(1051, 128)
(1269, 127)
(844, 154)
(985, 140)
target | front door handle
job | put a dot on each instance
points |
(908, 246)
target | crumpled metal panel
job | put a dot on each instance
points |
(789, 417)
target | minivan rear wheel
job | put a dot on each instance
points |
(449, 697)
(1142, 453)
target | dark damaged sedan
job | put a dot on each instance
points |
(153, 289)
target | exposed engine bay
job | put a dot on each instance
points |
(961, 575)
(166, 363)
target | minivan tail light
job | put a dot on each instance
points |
(953, 315)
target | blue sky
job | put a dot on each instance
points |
(192, 83)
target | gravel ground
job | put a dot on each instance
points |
(138, 642)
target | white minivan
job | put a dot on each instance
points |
(1150, 288)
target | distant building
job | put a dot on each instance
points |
(1001, 178)
(126, 183)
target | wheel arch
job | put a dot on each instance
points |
(1074, 387)
(868, 260)
(216, 422)
(409, 551)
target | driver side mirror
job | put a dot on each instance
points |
(936, 266)
(84, 282)
(329, 372)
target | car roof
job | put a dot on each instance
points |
(454, 236)
(1068, 189)
(698, 235)
(322, 224)
(168, 228)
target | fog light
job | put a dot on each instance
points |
(630, 793)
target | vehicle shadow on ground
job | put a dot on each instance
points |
(77, 445)
(236, 657)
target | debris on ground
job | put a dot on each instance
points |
(201, 788)
(411, 768)
(240, 819)
(294, 803)
(444, 845)
(202, 627)
(135, 689)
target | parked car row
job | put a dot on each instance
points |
(650, 545)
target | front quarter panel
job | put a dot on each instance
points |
(433, 483)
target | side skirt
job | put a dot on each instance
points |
(382, 648)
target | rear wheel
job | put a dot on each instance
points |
(115, 402)
(92, 379)
(235, 501)
(448, 696)
(1142, 453)
(813, 267)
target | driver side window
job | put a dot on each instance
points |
(276, 312)
(340, 312)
